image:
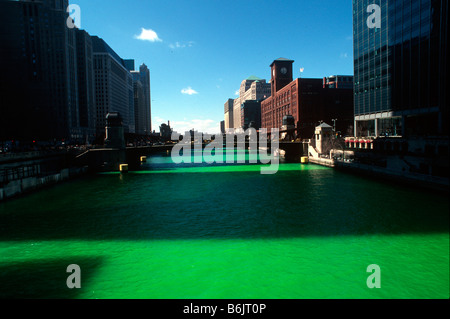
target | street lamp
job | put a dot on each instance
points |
(334, 125)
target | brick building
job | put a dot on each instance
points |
(309, 101)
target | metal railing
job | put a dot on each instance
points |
(16, 173)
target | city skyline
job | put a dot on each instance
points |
(329, 179)
(198, 53)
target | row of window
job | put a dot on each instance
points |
(410, 62)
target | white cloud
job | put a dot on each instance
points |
(176, 45)
(179, 45)
(206, 126)
(148, 35)
(236, 93)
(189, 91)
(344, 55)
(158, 119)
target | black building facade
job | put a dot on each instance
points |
(86, 87)
(400, 62)
(38, 80)
(251, 114)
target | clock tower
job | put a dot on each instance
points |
(281, 70)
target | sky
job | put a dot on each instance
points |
(199, 51)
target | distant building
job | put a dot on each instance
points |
(139, 105)
(229, 119)
(142, 99)
(338, 82)
(251, 113)
(165, 131)
(307, 100)
(252, 88)
(145, 79)
(401, 83)
(222, 127)
(113, 86)
(129, 64)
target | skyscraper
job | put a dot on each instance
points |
(145, 80)
(142, 98)
(139, 103)
(86, 87)
(400, 61)
(38, 80)
(113, 86)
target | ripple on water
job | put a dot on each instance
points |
(227, 232)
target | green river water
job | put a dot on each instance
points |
(225, 232)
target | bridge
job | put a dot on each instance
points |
(109, 159)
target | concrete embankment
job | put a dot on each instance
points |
(408, 178)
(28, 184)
(322, 161)
(28, 172)
(424, 181)
(416, 170)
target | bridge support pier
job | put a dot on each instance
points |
(294, 150)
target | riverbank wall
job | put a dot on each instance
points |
(28, 172)
(394, 173)
(421, 162)
(29, 184)
(322, 162)
(429, 182)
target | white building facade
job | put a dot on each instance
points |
(252, 88)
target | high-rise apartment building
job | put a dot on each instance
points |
(113, 86)
(400, 61)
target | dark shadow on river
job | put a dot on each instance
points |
(45, 278)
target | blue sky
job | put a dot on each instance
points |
(199, 51)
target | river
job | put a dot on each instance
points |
(225, 231)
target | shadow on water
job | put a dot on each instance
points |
(314, 202)
(44, 278)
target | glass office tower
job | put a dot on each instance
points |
(400, 61)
